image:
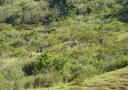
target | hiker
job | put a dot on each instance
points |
(72, 44)
(41, 49)
(101, 40)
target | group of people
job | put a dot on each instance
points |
(70, 45)
(41, 49)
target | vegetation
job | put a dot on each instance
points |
(98, 26)
(108, 81)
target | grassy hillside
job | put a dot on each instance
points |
(113, 80)
(80, 39)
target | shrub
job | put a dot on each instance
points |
(48, 62)
(29, 68)
(64, 7)
(2, 1)
(13, 20)
(122, 62)
(45, 63)
(83, 10)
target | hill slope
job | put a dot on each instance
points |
(47, 42)
(115, 80)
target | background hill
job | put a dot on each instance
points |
(80, 39)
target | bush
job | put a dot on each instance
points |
(45, 63)
(2, 1)
(64, 7)
(29, 68)
(122, 62)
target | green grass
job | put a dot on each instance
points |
(108, 81)
(25, 25)
(112, 80)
